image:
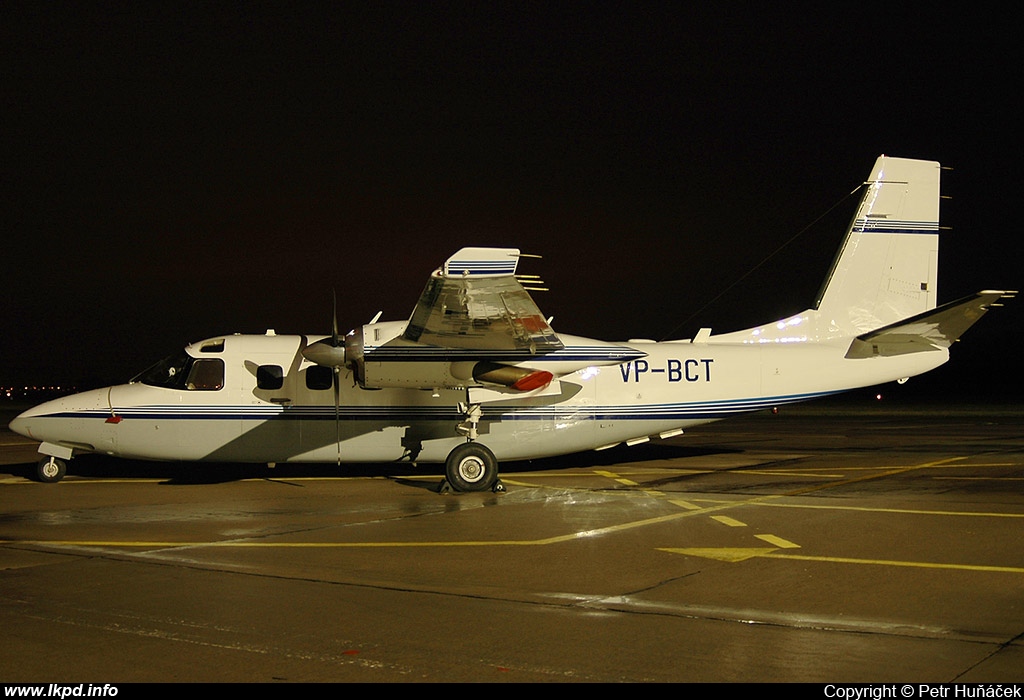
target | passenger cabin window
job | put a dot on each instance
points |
(319, 378)
(269, 377)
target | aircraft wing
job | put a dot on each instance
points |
(475, 302)
(475, 325)
(931, 330)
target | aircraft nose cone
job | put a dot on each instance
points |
(21, 425)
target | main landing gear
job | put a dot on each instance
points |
(471, 466)
(50, 470)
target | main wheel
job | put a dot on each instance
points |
(471, 467)
(50, 470)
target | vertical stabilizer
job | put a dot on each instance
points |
(887, 267)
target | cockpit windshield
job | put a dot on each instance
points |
(182, 371)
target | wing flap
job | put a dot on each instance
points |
(932, 330)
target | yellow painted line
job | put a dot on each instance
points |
(912, 564)
(726, 520)
(730, 554)
(808, 473)
(690, 510)
(612, 475)
(513, 482)
(90, 480)
(864, 509)
(777, 541)
(267, 545)
(878, 475)
(684, 504)
(979, 478)
(738, 554)
(454, 543)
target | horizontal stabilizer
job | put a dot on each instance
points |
(931, 330)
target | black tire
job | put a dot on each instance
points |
(50, 470)
(471, 467)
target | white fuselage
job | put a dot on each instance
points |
(673, 386)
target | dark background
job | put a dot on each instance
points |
(179, 171)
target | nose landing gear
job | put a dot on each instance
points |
(50, 470)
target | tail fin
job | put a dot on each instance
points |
(887, 267)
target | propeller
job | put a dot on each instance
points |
(337, 372)
(330, 352)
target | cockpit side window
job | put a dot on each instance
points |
(206, 375)
(182, 371)
(169, 372)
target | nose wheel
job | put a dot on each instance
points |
(50, 470)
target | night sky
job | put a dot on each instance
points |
(175, 172)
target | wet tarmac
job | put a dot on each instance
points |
(829, 543)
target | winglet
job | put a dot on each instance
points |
(480, 262)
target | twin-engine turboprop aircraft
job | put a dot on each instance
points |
(478, 375)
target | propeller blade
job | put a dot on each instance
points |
(334, 303)
(337, 411)
(328, 352)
